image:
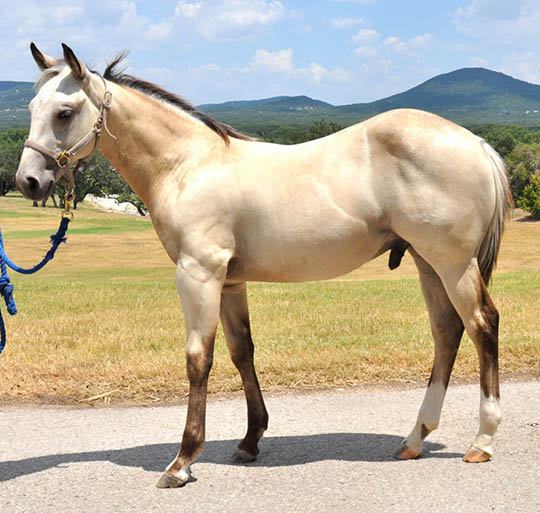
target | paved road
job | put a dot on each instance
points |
(323, 452)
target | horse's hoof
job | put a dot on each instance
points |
(242, 456)
(406, 453)
(474, 455)
(168, 480)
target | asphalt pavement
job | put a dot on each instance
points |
(323, 452)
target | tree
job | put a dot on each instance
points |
(522, 163)
(322, 128)
(131, 197)
(295, 135)
(101, 179)
(530, 199)
(11, 146)
(505, 138)
(98, 177)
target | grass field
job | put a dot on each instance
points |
(103, 318)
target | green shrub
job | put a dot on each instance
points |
(530, 198)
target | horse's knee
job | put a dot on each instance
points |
(198, 363)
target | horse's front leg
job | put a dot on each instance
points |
(199, 286)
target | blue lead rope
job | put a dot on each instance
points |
(6, 289)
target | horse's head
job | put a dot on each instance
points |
(63, 121)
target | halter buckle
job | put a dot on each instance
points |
(107, 99)
(63, 158)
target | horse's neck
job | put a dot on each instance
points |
(153, 141)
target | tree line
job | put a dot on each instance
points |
(518, 146)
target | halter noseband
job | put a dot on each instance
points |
(64, 158)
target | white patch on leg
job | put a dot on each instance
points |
(490, 417)
(428, 416)
(182, 475)
(430, 411)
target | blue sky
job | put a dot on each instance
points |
(340, 51)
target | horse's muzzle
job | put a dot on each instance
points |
(35, 187)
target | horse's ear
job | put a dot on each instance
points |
(76, 66)
(43, 61)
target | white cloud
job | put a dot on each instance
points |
(391, 41)
(65, 13)
(205, 69)
(504, 32)
(365, 35)
(342, 23)
(217, 20)
(236, 19)
(95, 29)
(418, 41)
(188, 10)
(494, 9)
(319, 73)
(525, 66)
(130, 22)
(211, 66)
(408, 47)
(160, 31)
(280, 61)
(355, 1)
(499, 19)
(478, 61)
(366, 51)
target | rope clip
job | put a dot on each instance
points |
(69, 196)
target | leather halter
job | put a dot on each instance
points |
(64, 158)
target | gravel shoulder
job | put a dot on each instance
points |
(328, 451)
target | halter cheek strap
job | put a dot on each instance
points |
(64, 158)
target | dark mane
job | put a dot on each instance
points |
(119, 77)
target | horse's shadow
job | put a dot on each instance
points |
(275, 452)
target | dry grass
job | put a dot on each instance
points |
(104, 318)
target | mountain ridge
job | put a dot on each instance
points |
(467, 96)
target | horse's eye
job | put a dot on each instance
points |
(65, 114)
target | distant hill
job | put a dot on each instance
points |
(14, 100)
(252, 114)
(467, 96)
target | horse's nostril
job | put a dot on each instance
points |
(32, 185)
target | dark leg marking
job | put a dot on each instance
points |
(235, 319)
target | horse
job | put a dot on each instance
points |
(229, 209)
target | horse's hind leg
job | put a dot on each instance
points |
(447, 330)
(470, 298)
(235, 319)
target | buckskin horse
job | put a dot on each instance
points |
(229, 209)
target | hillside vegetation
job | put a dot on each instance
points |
(14, 100)
(467, 96)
